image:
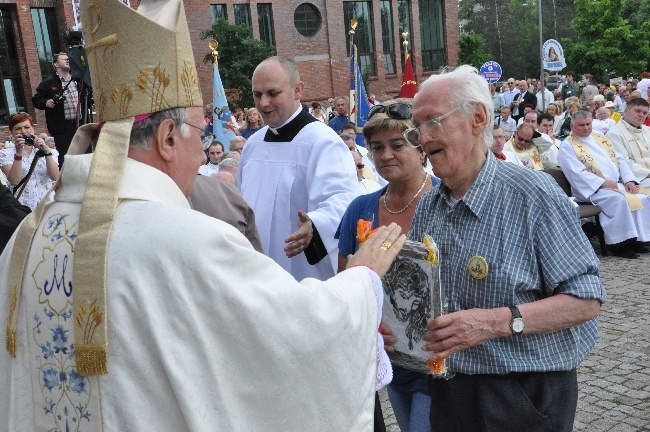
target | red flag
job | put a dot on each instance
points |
(409, 86)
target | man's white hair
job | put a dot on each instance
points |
(469, 89)
(143, 132)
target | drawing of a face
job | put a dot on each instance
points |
(407, 287)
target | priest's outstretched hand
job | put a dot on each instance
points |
(298, 241)
(379, 251)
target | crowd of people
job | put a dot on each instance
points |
(238, 294)
(540, 132)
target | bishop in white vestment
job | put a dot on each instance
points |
(125, 310)
(588, 161)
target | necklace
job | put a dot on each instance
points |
(410, 202)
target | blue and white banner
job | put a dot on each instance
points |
(222, 126)
(359, 104)
(553, 56)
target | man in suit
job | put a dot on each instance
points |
(523, 98)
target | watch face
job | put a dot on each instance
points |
(518, 325)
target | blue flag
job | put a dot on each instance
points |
(222, 126)
(359, 104)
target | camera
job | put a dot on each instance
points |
(29, 139)
(59, 97)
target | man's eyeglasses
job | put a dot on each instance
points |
(509, 82)
(527, 141)
(397, 111)
(432, 126)
(498, 137)
(360, 166)
(196, 127)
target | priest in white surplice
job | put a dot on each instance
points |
(125, 310)
(296, 175)
(631, 139)
(600, 175)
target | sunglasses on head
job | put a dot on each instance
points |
(397, 111)
(18, 113)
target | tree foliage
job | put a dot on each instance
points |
(472, 50)
(511, 30)
(239, 55)
(606, 42)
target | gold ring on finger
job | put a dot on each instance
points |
(385, 245)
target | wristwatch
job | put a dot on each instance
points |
(517, 322)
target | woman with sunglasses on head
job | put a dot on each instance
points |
(30, 163)
(402, 165)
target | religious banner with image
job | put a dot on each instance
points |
(553, 56)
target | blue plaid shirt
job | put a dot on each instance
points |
(529, 233)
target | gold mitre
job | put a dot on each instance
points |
(140, 62)
(139, 65)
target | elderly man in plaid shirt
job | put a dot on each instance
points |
(520, 277)
(59, 97)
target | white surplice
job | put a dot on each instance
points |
(310, 171)
(209, 169)
(618, 222)
(634, 145)
(204, 333)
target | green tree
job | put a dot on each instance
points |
(511, 29)
(239, 55)
(606, 42)
(472, 50)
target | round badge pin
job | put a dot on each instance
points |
(478, 267)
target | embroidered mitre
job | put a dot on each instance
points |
(140, 62)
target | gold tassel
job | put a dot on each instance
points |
(91, 359)
(11, 343)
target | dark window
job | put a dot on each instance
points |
(307, 19)
(47, 41)
(12, 97)
(362, 11)
(243, 15)
(387, 42)
(404, 20)
(218, 11)
(431, 33)
(265, 21)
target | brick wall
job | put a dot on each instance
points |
(321, 59)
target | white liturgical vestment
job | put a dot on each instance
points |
(303, 166)
(618, 222)
(204, 333)
(634, 145)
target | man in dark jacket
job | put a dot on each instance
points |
(58, 96)
(11, 214)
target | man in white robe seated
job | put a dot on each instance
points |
(545, 123)
(600, 175)
(631, 139)
(530, 146)
(296, 175)
(125, 310)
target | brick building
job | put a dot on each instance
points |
(314, 34)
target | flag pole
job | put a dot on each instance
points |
(353, 64)
(405, 36)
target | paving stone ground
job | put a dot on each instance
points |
(614, 380)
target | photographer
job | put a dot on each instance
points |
(58, 96)
(16, 162)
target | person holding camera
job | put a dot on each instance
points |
(58, 96)
(30, 165)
